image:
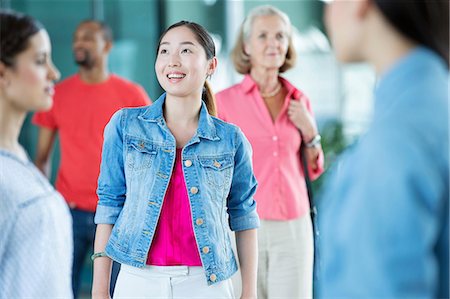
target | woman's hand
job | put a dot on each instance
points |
(312, 156)
(302, 119)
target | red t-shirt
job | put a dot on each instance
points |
(80, 112)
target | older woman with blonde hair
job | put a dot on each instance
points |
(277, 118)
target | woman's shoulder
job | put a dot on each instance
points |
(230, 92)
(136, 110)
(223, 125)
(129, 113)
(227, 130)
(296, 93)
(21, 183)
(231, 88)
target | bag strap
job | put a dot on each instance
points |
(312, 204)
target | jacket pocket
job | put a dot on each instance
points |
(140, 153)
(218, 170)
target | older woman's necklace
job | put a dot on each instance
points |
(272, 93)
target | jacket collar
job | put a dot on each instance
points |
(206, 127)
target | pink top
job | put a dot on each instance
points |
(281, 192)
(174, 242)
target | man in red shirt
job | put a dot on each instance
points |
(83, 105)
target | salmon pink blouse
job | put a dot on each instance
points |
(281, 193)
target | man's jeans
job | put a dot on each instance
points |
(83, 241)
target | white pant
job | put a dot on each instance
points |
(286, 255)
(168, 282)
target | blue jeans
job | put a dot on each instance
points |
(83, 242)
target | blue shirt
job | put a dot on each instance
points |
(137, 163)
(384, 219)
(36, 234)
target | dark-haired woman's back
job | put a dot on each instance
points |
(385, 217)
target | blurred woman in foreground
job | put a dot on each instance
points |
(36, 237)
(385, 217)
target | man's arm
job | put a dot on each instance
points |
(45, 143)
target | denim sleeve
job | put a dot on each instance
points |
(240, 203)
(111, 182)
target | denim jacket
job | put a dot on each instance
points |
(137, 162)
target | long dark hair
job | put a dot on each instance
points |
(424, 21)
(15, 32)
(206, 41)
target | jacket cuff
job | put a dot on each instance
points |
(106, 214)
(249, 221)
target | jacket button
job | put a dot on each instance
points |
(199, 221)
(213, 277)
(194, 190)
(205, 251)
(217, 164)
(188, 163)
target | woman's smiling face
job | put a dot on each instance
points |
(268, 42)
(181, 64)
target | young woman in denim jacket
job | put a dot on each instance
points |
(173, 179)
